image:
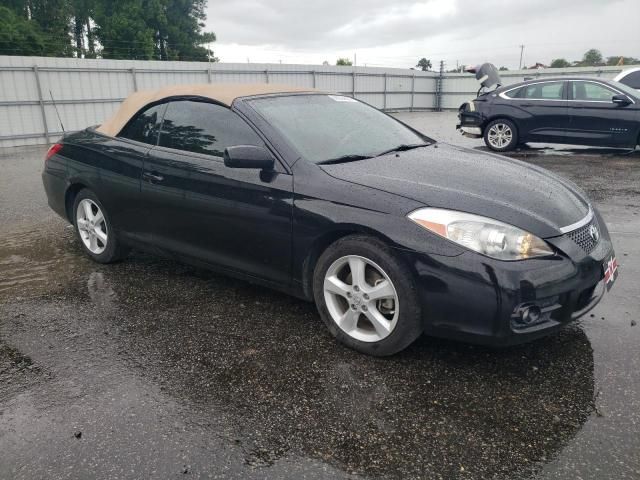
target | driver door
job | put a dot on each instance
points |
(238, 219)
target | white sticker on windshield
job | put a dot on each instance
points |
(340, 98)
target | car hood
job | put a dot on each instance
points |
(445, 176)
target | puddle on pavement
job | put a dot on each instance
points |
(17, 372)
(265, 361)
(35, 260)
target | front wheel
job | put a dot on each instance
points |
(501, 135)
(366, 296)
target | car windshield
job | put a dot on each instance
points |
(625, 88)
(326, 128)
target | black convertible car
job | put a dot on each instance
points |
(569, 110)
(326, 198)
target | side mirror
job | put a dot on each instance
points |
(621, 100)
(248, 156)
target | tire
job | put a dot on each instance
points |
(95, 233)
(501, 135)
(397, 313)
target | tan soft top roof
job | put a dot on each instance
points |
(224, 93)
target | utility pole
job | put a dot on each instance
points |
(355, 57)
(439, 80)
(521, 53)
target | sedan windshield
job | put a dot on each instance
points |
(334, 128)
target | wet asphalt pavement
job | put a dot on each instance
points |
(153, 369)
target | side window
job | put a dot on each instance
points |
(544, 91)
(632, 80)
(202, 127)
(517, 93)
(593, 92)
(145, 126)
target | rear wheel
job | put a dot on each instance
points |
(366, 296)
(501, 135)
(93, 227)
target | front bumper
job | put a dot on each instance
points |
(477, 299)
(470, 121)
(472, 132)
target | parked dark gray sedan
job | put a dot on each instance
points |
(576, 111)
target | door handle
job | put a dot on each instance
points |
(152, 177)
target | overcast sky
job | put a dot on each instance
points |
(396, 33)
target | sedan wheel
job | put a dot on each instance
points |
(366, 296)
(361, 298)
(91, 226)
(501, 135)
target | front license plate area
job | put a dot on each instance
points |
(610, 267)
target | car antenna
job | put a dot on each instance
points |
(57, 112)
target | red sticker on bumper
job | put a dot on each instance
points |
(610, 272)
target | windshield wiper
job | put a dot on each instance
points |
(344, 159)
(351, 158)
(403, 148)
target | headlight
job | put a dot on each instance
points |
(483, 235)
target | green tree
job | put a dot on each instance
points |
(19, 36)
(592, 58)
(178, 26)
(424, 64)
(19, 7)
(127, 29)
(123, 31)
(182, 36)
(345, 62)
(503, 69)
(154, 29)
(54, 18)
(82, 13)
(47, 20)
(559, 63)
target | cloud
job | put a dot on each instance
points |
(438, 28)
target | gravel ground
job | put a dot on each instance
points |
(153, 369)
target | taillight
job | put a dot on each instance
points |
(55, 148)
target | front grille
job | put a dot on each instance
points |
(583, 238)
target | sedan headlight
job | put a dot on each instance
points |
(483, 235)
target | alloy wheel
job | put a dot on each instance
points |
(92, 226)
(361, 298)
(500, 135)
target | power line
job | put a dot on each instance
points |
(130, 49)
(70, 37)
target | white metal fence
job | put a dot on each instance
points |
(88, 91)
